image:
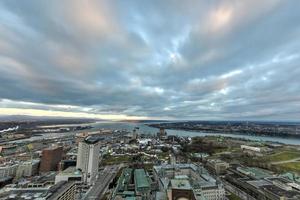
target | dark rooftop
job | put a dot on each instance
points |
(92, 139)
(280, 192)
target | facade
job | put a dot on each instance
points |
(162, 134)
(88, 159)
(135, 133)
(8, 170)
(217, 166)
(51, 158)
(27, 169)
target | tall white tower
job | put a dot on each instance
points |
(88, 159)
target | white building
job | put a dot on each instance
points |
(250, 148)
(88, 159)
(27, 168)
(8, 170)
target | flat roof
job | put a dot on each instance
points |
(181, 184)
(70, 171)
(58, 188)
(141, 179)
(259, 183)
(91, 139)
(280, 192)
(256, 172)
(130, 198)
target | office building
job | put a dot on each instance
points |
(88, 159)
(51, 158)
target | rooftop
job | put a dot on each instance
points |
(58, 188)
(180, 184)
(92, 139)
(70, 171)
(141, 179)
(255, 172)
(280, 192)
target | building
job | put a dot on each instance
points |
(88, 159)
(60, 191)
(69, 174)
(27, 168)
(64, 164)
(258, 184)
(63, 191)
(257, 151)
(8, 170)
(181, 189)
(189, 179)
(134, 134)
(162, 134)
(217, 166)
(133, 184)
(51, 158)
(46, 180)
(8, 149)
(125, 186)
(142, 184)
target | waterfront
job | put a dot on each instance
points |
(150, 130)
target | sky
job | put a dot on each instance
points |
(138, 59)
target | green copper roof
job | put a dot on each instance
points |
(141, 179)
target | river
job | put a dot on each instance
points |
(150, 130)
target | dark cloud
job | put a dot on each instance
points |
(158, 59)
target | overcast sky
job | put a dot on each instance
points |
(116, 59)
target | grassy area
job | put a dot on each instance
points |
(233, 197)
(285, 155)
(163, 155)
(292, 166)
(111, 160)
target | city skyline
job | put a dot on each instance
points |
(216, 60)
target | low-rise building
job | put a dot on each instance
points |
(142, 183)
(217, 166)
(27, 168)
(62, 191)
(202, 185)
(133, 184)
(69, 174)
(8, 170)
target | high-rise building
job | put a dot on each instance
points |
(88, 159)
(50, 159)
(162, 134)
(134, 134)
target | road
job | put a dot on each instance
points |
(104, 178)
(285, 161)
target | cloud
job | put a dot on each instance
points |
(156, 59)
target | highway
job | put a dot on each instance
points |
(101, 184)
